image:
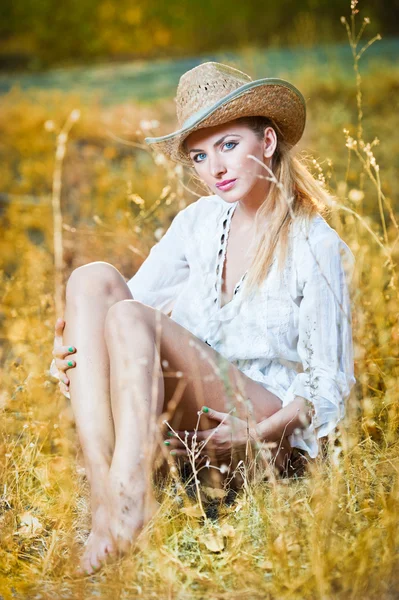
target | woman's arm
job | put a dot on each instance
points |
(324, 345)
(164, 272)
(297, 414)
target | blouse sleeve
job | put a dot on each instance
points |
(160, 278)
(325, 343)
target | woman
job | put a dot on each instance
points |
(212, 317)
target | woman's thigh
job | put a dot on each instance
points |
(195, 374)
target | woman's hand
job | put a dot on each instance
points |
(60, 353)
(231, 433)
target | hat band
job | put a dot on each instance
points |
(204, 112)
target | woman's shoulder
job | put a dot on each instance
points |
(203, 210)
(206, 203)
(315, 237)
(315, 229)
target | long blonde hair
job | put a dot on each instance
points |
(293, 193)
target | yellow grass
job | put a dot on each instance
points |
(331, 533)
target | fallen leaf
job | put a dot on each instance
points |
(227, 530)
(280, 544)
(30, 525)
(294, 549)
(213, 541)
(214, 492)
(192, 511)
(267, 565)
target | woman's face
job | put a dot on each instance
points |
(221, 153)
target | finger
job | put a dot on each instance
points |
(63, 387)
(201, 435)
(64, 365)
(63, 351)
(176, 443)
(214, 414)
(178, 452)
(58, 329)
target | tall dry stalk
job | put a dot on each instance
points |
(61, 143)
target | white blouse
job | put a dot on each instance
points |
(294, 337)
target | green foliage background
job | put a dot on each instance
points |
(39, 34)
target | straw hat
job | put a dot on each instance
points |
(214, 93)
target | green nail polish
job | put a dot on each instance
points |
(70, 349)
(167, 443)
(173, 452)
(70, 363)
(170, 434)
(205, 409)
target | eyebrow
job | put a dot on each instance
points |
(216, 143)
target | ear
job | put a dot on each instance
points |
(270, 140)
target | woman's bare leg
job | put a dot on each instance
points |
(91, 290)
(137, 397)
(141, 392)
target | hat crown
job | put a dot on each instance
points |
(204, 85)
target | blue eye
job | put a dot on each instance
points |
(203, 153)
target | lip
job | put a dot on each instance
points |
(226, 184)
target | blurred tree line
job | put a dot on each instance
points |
(37, 34)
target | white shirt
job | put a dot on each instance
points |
(293, 325)
(294, 337)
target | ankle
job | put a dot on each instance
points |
(97, 470)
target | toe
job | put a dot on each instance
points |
(86, 563)
(105, 552)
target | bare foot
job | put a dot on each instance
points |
(117, 520)
(99, 545)
(131, 508)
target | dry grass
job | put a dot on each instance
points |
(331, 533)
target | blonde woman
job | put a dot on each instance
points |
(241, 311)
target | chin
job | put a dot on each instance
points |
(230, 195)
(227, 197)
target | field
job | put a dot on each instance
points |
(79, 184)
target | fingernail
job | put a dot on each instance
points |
(70, 363)
(71, 349)
(205, 409)
(170, 434)
(173, 452)
(167, 443)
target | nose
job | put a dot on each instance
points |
(216, 167)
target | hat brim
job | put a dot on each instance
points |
(270, 97)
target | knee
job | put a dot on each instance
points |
(93, 279)
(124, 312)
